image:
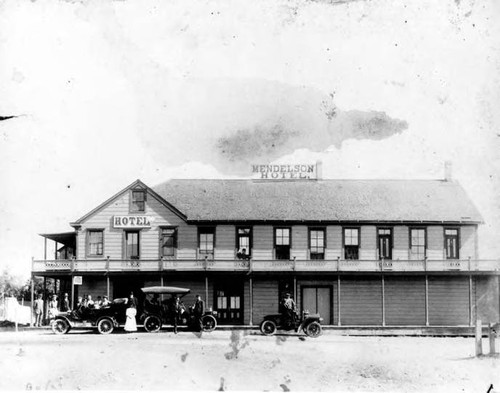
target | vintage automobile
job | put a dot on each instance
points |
(155, 316)
(106, 318)
(309, 323)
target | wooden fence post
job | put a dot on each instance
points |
(479, 334)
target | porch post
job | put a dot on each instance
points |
(471, 303)
(72, 292)
(44, 248)
(383, 301)
(32, 298)
(251, 301)
(161, 283)
(44, 298)
(338, 301)
(107, 285)
(206, 290)
(426, 300)
(55, 252)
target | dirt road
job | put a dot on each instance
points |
(238, 360)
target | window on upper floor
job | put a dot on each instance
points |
(168, 242)
(451, 243)
(243, 242)
(351, 243)
(206, 241)
(95, 242)
(417, 243)
(138, 201)
(384, 243)
(282, 243)
(132, 246)
(317, 243)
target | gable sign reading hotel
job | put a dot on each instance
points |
(132, 221)
(296, 171)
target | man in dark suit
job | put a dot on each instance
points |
(198, 311)
(175, 311)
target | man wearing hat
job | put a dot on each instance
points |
(64, 306)
(289, 309)
(198, 311)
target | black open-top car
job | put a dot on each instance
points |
(155, 316)
(106, 318)
(309, 323)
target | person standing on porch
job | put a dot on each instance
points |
(64, 303)
(53, 311)
(131, 312)
(38, 308)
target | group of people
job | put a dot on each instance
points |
(57, 305)
(174, 309)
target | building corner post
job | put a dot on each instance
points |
(251, 301)
(32, 298)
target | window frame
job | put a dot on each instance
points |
(410, 229)
(311, 229)
(275, 229)
(87, 242)
(391, 242)
(139, 241)
(161, 228)
(200, 232)
(131, 200)
(350, 245)
(250, 240)
(458, 242)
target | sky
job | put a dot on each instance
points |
(107, 92)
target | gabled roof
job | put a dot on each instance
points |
(321, 200)
(134, 185)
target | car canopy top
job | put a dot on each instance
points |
(166, 290)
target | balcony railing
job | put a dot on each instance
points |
(337, 265)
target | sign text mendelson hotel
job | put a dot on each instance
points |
(295, 171)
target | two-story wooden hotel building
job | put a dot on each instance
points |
(360, 252)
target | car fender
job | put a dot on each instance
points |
(113, 319)
(65, 318)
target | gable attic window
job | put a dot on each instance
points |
(138, 201)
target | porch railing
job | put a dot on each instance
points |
(336, 265)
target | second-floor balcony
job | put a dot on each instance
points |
(249, 265)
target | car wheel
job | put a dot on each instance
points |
(152, 324)
(209, 323)
(268, 328)
(313, 329)
(60, 326)
(105, 326)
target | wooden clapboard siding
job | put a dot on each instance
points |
(330, 283)
(370, 255)
(333, 242)
(435, 242)
(487, 300)
(300, 255)
(196, 285)
(95, 286)
(333, 254)
(401, 242)
(187, 242)
(113, 237)
(404, 301)
(225, 238)
(468, 242)
(435, 254)
(263, 239)
(448, 301)
(265, 298)
(361, 301)
(368, 237)
(246, 302)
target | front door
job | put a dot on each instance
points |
(318, 300)
(229, 302)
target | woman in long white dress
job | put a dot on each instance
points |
(131, 312)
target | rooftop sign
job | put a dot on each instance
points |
(286, 171)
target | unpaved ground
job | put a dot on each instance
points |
(236, 360)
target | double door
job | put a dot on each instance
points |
(229, 302)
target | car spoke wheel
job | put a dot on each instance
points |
(268, 328)
(313, 329)
(152, 324)
(209, 323)
(105, 326)
(60, 326)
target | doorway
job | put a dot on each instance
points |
(229, 302)
(318, 300)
